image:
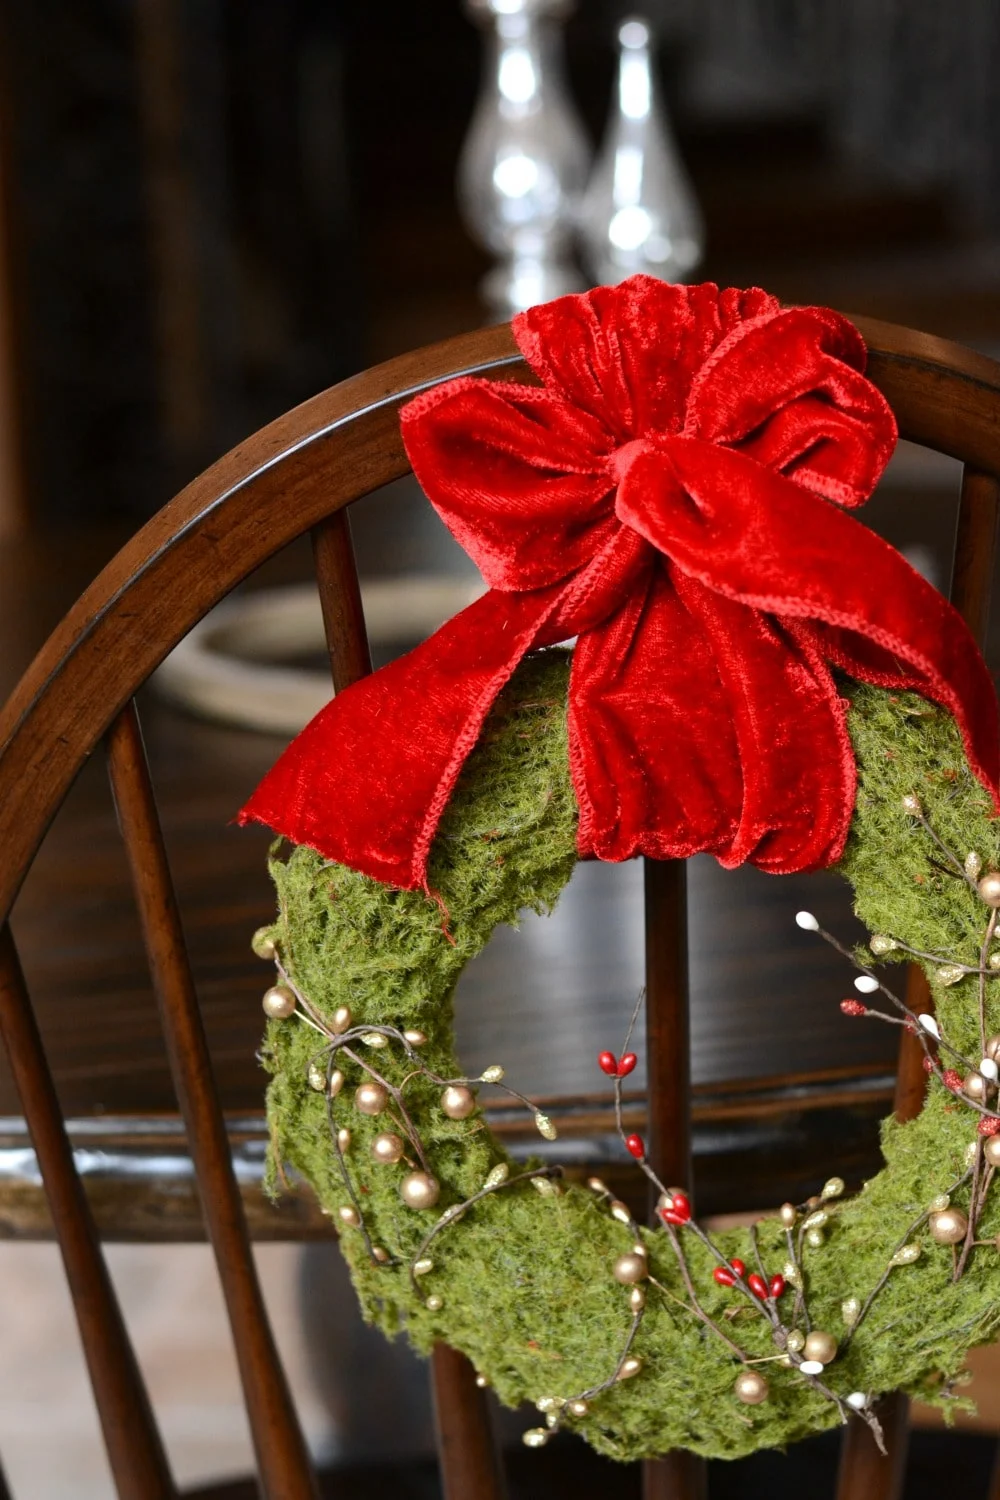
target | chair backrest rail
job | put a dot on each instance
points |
(283, 1461)
(135, 1450)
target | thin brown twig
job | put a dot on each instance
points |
(696, 1306)
(801, 1307)
(983, 954)
(949, 854)
(901, 1006)
(976, 1203)
(345, 1175)
(911, 1230)
(458, 1211)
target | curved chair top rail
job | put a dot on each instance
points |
(286, 478)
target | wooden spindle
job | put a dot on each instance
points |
(864, 1472)
(466, 1451)
(678, 1475)
(283, 1462)
(470, 1466)
(340, 600)
(975, 549)
(135, 1452)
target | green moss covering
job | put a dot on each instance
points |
(526, 1280)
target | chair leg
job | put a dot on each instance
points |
(865, 1473)
(470, 1466)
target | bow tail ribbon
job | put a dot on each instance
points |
(367, 780)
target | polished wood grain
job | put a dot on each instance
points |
(283, 1462)
(294, 477)
(340, 600)
(135, 1451)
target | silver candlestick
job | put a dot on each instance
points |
(525, 159)
(639, 212)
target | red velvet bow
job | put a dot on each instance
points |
(675, 495)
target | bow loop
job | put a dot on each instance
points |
(673, 496)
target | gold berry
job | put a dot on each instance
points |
(458, 1102)
(630, 1268)
(370, 1097)
(751, 1388)
(419, 1190)
(948, 1227)
(820, 1346)
(279, 1002)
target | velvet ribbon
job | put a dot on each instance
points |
(676, 496)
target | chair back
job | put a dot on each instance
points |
(298, 475)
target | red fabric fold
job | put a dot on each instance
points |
(674, 495)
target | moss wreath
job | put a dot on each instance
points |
(645, 1340)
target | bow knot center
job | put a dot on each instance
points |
(621, 460)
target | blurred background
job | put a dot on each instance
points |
(212, 209)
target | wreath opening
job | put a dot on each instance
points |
(647, 1339)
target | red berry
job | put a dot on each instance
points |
(724, 1276)
(928, 1065)
(626, 1064)
(852, 1007)
(636, 1145)
(777, 1286)
(952, 1080)
(737, 1265)
(988, 1125)
(757, 1285)
(608, 1063)
(681, 1206)
(677, 1208)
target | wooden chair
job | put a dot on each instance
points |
(299, 474)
